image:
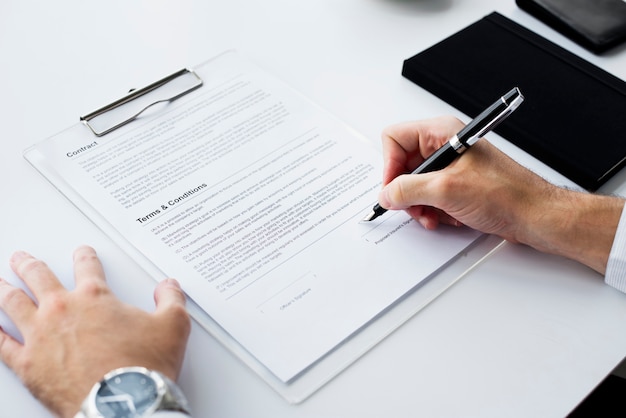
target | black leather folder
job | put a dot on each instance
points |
(574, 115)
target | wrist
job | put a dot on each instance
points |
(133, 391)
(576, 225)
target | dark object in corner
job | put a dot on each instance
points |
(597, 25)
(606, 401)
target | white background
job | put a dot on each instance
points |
(523, 335)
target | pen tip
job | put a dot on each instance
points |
(369, 217)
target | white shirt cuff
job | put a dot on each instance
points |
(616, 266)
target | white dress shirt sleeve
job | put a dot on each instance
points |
(616, 266)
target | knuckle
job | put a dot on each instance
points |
(93, 288)
(180, 313)
(180, 317)
(12, 297)
(400, 195)
(447, 185)
(56, 304)
(395, 195)
(31, 265)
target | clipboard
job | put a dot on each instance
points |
(153, 112)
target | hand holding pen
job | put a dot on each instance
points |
(464, 139)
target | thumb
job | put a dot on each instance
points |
(175, 324)
(407, 190)
(168, 295)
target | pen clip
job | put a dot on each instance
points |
(502, 115)
(509, 107)
(131, 106)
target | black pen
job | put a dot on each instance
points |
(466, 137)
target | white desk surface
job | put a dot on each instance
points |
(522, 335)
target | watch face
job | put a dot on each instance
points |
(126, 395)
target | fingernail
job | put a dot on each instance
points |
(172, 282)
(18, 256)
(81, 249)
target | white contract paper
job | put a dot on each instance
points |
(251, 197)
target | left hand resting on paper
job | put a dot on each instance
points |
(73, 338)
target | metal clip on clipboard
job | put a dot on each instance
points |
(131, 106)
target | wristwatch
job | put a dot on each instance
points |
(132, 392)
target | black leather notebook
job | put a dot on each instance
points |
(574, 115)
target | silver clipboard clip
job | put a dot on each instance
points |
(131, 106)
